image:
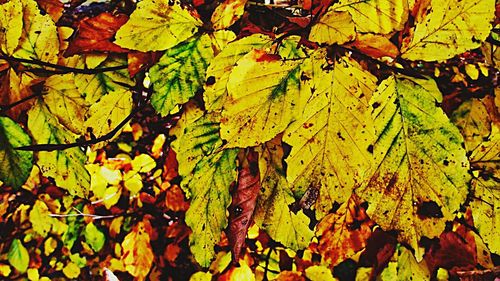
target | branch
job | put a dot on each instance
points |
(108, 136)
(61, 69)
(5, 108)
(476, 273)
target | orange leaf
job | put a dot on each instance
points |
(54, 8)
(96, 34)
(375, 46)
(137, 253)
(175, 200)
(140, 60)
(343, 233)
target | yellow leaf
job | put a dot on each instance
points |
(111, 196)
(33, 274)
(41, 221)
(264, 98)
(375, 16)
(49, 246)
(331, 143)
(39, 39)
(108, 112)
(155, 26)
(272, 213)
(405, 267)
(220, 67)
(333, 28)
(472, 71)
(65, 101)
(243, 272)
(137, 253)
(473, 121)
(11, 21)
(143, 163)
(18, 256)
(133, 182)
(71, 270)
(201, 276)
(319, 273)
(421, 164)
(449, 28)
(5, 270)
(227, 13)
(65, 166)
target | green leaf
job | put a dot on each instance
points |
(11, 20)
(15, 165)
(67, 166)
(210, 197)
(206, 174)
(449, 28)
(106, 114)
(273, 213)
(180, 73)
(155, 25)
(331, 142)
(18, 256)
(65, 101)
(220, 67)
(94, 237)
(265, 96)
(95, 86)
(420, 161)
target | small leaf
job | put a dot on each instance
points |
(243, 203)
(11, 21)
(137, 252)
(333, 28)
(71, 270)
(155, 26)
(227, 13)
(15, 165)
(106, 114)
(264, 98)
(373, 16)
(406, 267)
(449, 28)
(422, 175)
(94, 237)
(18, 256)
(65, 101)
(65, 166)
(41, 221)
(95, 34)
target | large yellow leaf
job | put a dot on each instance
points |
(39, 39)
(331, 142)
(449, 28)
(108, 112)
(422, 170)
(65, 166)
(11, 22)
(220, 67)
(264, 98)
(155, 25)
(273, 213)
(333, 28)
(65, 101)
(180, 73)
(376, 16)
(137, 252)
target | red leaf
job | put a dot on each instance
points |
(380, 248)
(243, 204)
(139, 60)
(452, 252)
(96, 34)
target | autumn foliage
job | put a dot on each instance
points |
(248, 140)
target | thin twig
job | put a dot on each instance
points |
(4, 108)
(61, 68)
(80, 214)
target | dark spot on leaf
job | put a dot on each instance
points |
(429, 209)
(370, 148)
(210, 81)
(375, 104)
(446, 162)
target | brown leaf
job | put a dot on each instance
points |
(380, 247)
(140, 60)
(343, 233)
(54, 8)
(375, 46)
(175, 200)
(96, 34)
(243, 203)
